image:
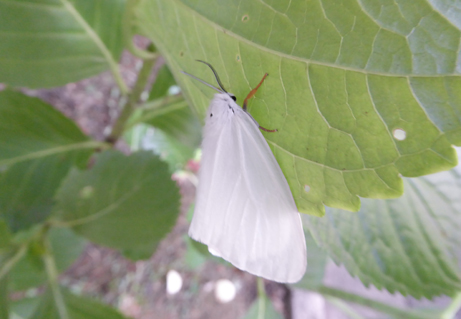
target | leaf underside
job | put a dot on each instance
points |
(346, 78)
(410, 244)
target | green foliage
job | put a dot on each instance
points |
(343, 77)
(409, 244)
(131, 216)
(31, 129)
(346, 77)
(30, 271)
(48, 43)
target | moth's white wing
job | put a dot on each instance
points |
(244, 210)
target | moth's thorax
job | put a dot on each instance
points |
(222, 108)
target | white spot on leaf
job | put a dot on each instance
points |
(399, 134)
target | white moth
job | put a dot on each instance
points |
(244, 211)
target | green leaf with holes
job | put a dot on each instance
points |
(46, 43)
(409, 245)
(347, 79)
(125, 202)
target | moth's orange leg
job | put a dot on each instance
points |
(252, 93)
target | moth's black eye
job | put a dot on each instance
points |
(211, 114)
(233, 98)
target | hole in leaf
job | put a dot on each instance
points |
(399, 134)
(307, 188)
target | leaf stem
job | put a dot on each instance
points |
(132, 101)
(261, 298)
(12, 261)
(382, 307)
(452, 308)
(53, 273)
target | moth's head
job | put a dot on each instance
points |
(221, 107)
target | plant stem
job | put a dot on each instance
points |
(163, 106)
(452, 308)
(52, 273)
(261, 298)
(12, 261)
(133, 99)
(385, 308)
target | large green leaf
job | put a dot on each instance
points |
(31, 272)
(78, 307)
(125, 202)
(31, 129)
(409, 245)
(346, 77)
(45, 43)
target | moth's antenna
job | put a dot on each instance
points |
(215, 74)
(201, 81)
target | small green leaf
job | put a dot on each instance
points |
(168, 148)
(177, 122)
(262, 308)
(196, 253)
(133, 202)
(78, 307)
(31, 129)
(30, 271)
(408, 245)
(46, 43)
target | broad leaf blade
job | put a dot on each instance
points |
(343, 78)
(31, 129)
(125, 202)
(410, 245)
(48, 43)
